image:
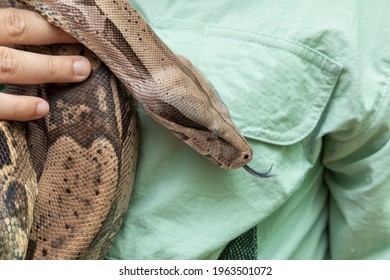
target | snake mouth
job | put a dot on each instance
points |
(228, 160)
(242, 162)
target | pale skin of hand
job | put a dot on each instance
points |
(19, 27)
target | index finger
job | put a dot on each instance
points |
(22, 27)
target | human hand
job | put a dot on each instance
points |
(20, 27)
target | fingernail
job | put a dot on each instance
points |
(81, 67)
(42, 109)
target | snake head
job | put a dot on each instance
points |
(213, 145)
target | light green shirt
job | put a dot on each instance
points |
(307, 83)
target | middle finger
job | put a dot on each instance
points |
(19, 67)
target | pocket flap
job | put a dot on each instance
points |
(275, 89)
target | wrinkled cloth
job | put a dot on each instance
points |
(307, 83)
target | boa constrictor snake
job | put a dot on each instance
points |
(66, 180)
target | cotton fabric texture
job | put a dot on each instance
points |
(307, 83)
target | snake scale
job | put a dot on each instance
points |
(66, 179)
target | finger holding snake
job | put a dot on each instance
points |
(20, 27)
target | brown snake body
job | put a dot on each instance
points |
(66, 180)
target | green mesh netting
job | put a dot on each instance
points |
(244, 247)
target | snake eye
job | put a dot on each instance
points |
(214, 135)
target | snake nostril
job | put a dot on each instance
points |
(246, 156)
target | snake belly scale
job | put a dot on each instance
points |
(66, 180)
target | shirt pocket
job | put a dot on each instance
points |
(275, 89)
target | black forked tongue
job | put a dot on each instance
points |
(258, 174)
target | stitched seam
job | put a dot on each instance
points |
(277, 48)
(208, 26)
(241, 30)
(301, 46)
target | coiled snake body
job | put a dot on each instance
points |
(66, 180)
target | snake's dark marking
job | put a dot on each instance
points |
(5, 159)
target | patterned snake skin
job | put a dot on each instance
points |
(66, 180)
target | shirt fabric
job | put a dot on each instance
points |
(307, 83)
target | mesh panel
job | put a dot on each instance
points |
(244, 247)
